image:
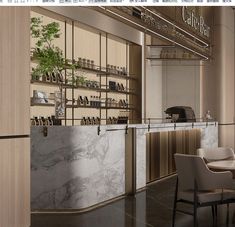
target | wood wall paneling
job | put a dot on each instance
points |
(14, 70)
(161, 147)
(14, 183)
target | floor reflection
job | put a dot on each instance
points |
(152, 207)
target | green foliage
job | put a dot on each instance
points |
(49, 57)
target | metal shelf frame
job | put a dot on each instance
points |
(98, 71)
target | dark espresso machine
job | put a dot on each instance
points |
(181, 114)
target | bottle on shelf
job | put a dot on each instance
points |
(79, 63)
(88, 121)
(48, 77)
(60, 78)
(97, 121)
(86, 101)
(40, 121)
(124, 71)
(47, 123)
(92, 64)
(53, 77)
(93, 120)
(118, 70)
(80, 101)
(84, 65)
(108, 68)
(118, 87)
(91, 101)
(83, 121)
(50, 121)
(122, 87)
(88, 63)
(36, 121)
(109, 121)
(33, 121)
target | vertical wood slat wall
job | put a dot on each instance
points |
(14, 183)
(14, 116)
(14, 70)
(161, 147)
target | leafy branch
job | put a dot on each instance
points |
(50, 57)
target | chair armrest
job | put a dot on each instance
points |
(210, 180)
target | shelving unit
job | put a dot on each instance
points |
(100, 73)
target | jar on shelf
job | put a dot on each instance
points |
(118, 70)
(88, 63)
(92, 64)
(115, 69)
(84, 65)
(80, 63)
(59, 104)
(108, 68)
(111, 69)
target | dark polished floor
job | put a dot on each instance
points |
(152, 207)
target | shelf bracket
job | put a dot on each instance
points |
(45, 131)
(126, 130)
(98, 130)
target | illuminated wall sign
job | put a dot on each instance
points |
(195, 21)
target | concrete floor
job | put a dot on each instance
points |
(152, 207)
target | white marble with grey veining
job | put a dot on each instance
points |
(74, 168)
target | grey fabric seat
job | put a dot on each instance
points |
(203, 196)
(199, 186)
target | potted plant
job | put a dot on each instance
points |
(49, 57)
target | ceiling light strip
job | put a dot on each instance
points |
(206, 44)
(146, 29)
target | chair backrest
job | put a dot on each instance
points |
(191, 168)
(216, 154)
(185, 171)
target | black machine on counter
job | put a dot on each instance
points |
(181, 114)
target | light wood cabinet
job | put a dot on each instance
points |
(14, 70)
(14, 183)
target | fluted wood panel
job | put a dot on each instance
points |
(14, 183)
(14, 70)
(161, 147)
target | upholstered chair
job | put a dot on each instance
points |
(199, 186)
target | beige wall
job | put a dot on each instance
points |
(181, 85)
(218, 76)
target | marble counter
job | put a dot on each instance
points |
(73, 167)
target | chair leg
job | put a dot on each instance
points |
(195, 215)
(213, 213)
(195, 204)
(216, 211)
(227, 217)
(175, 204)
